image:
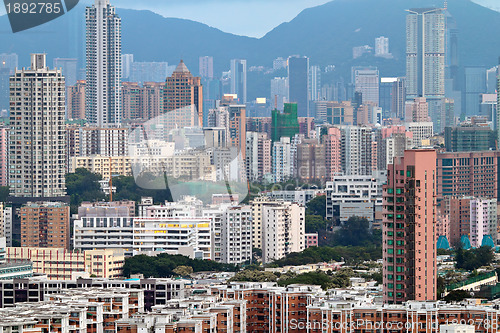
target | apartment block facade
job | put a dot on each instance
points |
(409, 228)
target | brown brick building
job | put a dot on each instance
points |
(468, 174)
(45, 224)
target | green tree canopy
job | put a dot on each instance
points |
(83, 185)
(252, 275)
(356, 232)
(164, 265)
(474, 258)
(317, 206)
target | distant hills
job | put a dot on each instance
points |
(325, 33)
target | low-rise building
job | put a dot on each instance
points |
(62, 264)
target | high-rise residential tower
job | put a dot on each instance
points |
(314, 83)
(366, 81)
(425, 57)
(399, 98)
(207, 67)
(409, 228)
(37, 151)
(298, 84)
(183, 99)
(75, 103)
(104, 65)
(239, 79)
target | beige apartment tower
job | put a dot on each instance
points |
(37, 151)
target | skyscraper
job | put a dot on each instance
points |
(142, 71)
(69, 69)
(37, 143)
(239, 79)
(385, 95)
(381, 46)
(207, 67)
(298, 84)
(417, 111)
(104, 65)
(475, 85)
(366, 81)
(409, 235)
(279, 92)
(183, 99)
(127, 62)
(8, 65)
(425, 57)
(399, 98)
(75, 103)
(314, 83)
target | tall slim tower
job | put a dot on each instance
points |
(425, 57)
(207, 67)
(409, 228)
(37, 151)
(104, 65)
(298, 84)
(239, 79)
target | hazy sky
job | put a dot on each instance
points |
(242, 17)
(252, 18)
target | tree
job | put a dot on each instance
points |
(251, 275)
(315, 223)
(356, 232)
(457, 296)
(313, 255)
(4, 193)
(183, 271)
(317, 206)
(340, 279)
(474, 258)
(83, 185)
(164, 265)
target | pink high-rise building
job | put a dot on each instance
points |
(333, 143)
(417, 111)
(409, 228)
(388, 131)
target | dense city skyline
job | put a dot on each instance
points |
(295, 194)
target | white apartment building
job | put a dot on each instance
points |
(104, 65)
(186, 236)
(258, 156)
(421, 131)
(7, 224)
(236, 235)
(357, 150)
(283, 230)
(483, 220)
(37, 154)
(301, 197)
(348, 196)
(103, 141)
(396, 145)
(101, 228)
(282, 164)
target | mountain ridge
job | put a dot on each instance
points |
(326, 33)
